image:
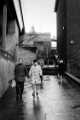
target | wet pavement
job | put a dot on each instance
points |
(55, 102)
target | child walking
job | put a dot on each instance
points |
(35, 74)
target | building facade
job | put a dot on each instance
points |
(68, 34)
(60, 9)
(41, 42)
(10, 30)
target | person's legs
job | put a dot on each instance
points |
(41, 78)
(57, 69)
(61, 77)
(34, 89)
(37, 89)
(17, 91)
(58, 72)
(21, 89)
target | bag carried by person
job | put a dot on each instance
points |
(12, 83)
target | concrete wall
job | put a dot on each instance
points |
(12, 36)
(73, 37)
(6, 74)
(7, 66)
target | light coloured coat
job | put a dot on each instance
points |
(35, 73)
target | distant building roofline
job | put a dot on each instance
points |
(38, 33)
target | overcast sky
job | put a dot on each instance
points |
(40, 14)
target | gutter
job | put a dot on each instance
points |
(22, 14)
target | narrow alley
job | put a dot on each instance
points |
(35, 30)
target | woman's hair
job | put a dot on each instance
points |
(34, 60)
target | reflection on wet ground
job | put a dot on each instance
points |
(55, 102)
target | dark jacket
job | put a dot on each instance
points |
(20, 72)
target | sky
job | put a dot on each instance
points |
(40, 14)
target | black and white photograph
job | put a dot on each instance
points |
(39, 59)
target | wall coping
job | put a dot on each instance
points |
(73, 77)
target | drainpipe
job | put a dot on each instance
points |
(4, 25)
